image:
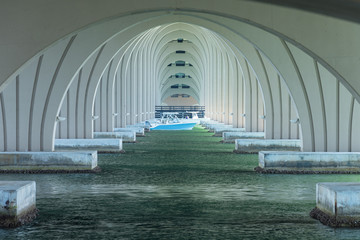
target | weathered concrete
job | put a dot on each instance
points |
(37, 162)
(218, 131)
(309, 162)
(140, 132)
(125, 136)
(100, 145)
(230, 137)
(204, 123)
(257, 145)
(140, 125)
(338, 204)
(17, 203)
(212, 127)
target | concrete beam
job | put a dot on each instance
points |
(257, 145)
(125, 136)
(338, 204)
(230, 137)
(309, 162)
(48, 162)
(17, 203)
(100, 145)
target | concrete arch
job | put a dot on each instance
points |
(290, 64)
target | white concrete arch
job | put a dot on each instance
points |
(173, 91)
(289, 63)
(172, 81)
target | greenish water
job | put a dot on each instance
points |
(177, 185)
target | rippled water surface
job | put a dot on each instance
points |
(177, 185)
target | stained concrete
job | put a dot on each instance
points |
(140, 132)
(218, 132)
(257, 145)
(230, 137)
(338, 204)
(335, 162)
(48, 161)
(125, 136)
(100, 145)
(17, 202)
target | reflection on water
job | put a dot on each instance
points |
(158, 192)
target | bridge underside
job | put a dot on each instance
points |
(290, 71)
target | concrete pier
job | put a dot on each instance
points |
(100, 145)
(230, 137)
(17, 203)
(338, 204)
(140, 132)
(257, 145)
(48, 162)
(309, 162)
(129, 137)
(218, 132)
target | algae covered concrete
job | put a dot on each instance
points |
(310, 161)
(257, 145)
(125, 136)
(100, 145)
(17, 202)
(48, 161)
(231, 136)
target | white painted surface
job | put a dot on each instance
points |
(17, 197)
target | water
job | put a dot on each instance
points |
(177, 185)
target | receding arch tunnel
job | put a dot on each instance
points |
(115, 65)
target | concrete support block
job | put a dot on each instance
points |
(212, 127)
(100, 145)
(48, 162)
(140, 125)
(309, 162)
(204, 122)
(218, 132)
(338, 204)
(207, 124)
(257, 145)
(17, 203)
(129, 137)
(230, 137)
(140, 132)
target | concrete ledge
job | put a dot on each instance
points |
(218, 132)
(140, 132)
(125, 136)
(257, 145)
(100, 145)
(337, 204)
(17, 203)
(230, 137)
(48, 162)
(309, 162)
